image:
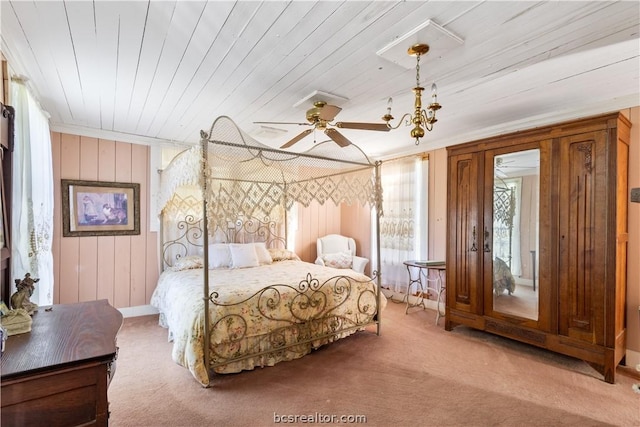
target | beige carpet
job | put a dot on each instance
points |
(414, 374)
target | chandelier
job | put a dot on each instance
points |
(421, 119)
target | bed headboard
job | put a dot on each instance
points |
(184, 237)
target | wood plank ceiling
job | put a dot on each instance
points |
(157, 72)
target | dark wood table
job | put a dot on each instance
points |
(58, 374)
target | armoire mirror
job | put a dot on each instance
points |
(516, 178)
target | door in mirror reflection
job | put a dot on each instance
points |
(516, 183)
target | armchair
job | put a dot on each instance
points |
(339, 251)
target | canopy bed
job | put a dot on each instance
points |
(504, 203)
(225, 209)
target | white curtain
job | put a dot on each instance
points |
(403, 224)
(32, 210)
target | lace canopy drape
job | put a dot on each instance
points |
(248, 179)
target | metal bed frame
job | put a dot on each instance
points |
(315, 318)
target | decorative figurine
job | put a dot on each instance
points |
(18, 319)
(20, 299)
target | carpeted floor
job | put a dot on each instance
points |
(413, 374)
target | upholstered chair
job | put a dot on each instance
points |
(339, 251)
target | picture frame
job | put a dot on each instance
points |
(100, 208)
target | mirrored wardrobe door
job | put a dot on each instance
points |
(514, 240)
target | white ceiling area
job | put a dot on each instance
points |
(158, 72)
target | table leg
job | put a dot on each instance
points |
(438, 289)
(419, 288)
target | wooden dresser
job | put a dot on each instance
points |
(58, 374)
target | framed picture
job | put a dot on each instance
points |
(98, 208)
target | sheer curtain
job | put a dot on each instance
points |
(32, 210)
(403, 224)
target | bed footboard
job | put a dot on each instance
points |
(284, 322)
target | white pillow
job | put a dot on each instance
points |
(264, 257)
(219, 255)
(338, 260)
(244, 255)
(187, 263)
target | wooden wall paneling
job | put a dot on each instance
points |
(437, 204)
(355, 222)
(106, 244)
(314, 225)
(336, 219)
(105, 287)
(309, 232)
(88, 245)
(324, 221)
(69, 246)
(303, 233)
(151, 240)
(57, 214)
(152, 263)
(139, 174)
(89, 268)
(122, 257)
(122, 274)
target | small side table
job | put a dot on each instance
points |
(430, 284)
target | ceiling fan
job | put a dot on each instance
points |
(319, 118)
(502, 167)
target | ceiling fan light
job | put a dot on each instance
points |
(388, 117)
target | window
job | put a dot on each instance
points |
(403, 225)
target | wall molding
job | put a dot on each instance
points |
(140, 310)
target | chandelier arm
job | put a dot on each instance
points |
(407, 117)
(428, 121)
(428, 126)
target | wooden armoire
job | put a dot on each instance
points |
(537, 238)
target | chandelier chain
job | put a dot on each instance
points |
(418, 71)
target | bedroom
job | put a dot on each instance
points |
(100, 267)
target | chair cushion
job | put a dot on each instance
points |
(338, 260)
(333, 244)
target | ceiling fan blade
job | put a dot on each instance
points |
(297, 138)
(500, 173)
(339, 138)
(329, 112)
(383, 127)
(282, 123)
